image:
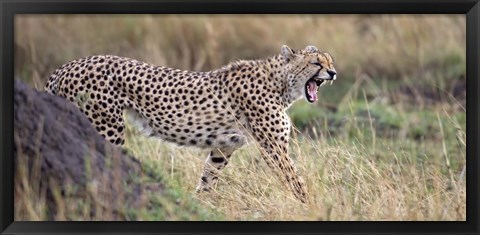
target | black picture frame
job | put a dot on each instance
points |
(9, 8)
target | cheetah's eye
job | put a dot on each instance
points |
(317, 64)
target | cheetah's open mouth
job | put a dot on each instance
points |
(311, 88)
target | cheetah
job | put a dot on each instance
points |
(216, 110)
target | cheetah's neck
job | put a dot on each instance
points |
(276, 75)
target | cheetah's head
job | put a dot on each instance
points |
(307, 70)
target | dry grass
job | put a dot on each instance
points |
(347, 179)
(358, 173)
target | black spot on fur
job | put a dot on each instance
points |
(217, 159)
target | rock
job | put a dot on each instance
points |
(64, 159)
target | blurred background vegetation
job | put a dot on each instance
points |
(399, 100)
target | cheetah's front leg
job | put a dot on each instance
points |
(273, 135)
(216, 161)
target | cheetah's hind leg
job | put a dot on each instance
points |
(217, 160)
(108, 121)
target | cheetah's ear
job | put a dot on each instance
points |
(287, 53)
(311, 49)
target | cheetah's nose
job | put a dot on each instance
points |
(332, 74)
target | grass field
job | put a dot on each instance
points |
(386, 141)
